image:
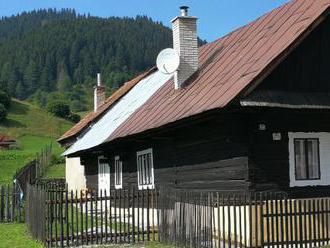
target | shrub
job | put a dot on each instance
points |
(77, 106)
(59, 109)
(3, 112)
(74, 118)
(4, 99)
(57, 160)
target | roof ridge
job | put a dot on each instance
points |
(250, 23)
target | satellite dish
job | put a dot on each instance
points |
(168, 61)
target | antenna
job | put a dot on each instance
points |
(168, 61)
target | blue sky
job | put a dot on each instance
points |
(216, 17)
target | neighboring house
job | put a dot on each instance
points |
(6, 142)
(247, 112)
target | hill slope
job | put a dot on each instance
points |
(34, 129)
(50, 54)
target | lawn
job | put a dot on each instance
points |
(34, 129)
(55, 171)
(26, 119)
(15, 235)
(29, 146)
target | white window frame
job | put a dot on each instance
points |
(152, 184)
(118, 186)
(324, 158)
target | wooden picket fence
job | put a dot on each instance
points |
(11, 204)
(34, 170)
(211, 219)
(43, 160)
(66, 218)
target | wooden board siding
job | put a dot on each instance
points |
(210, 155)
(269, 159)
(91, 171)
(306, 69)
(225, 175)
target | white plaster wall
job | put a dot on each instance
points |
(324, 139)
(75, 174)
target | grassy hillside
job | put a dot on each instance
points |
(26, 119)
(33, 128)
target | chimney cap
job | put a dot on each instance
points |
(99, 82)
(184, 10)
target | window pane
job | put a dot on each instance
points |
(313, 159)
(144, 169)
(300, 159)
(117, 172)
(139, 170)
(120, 172)
(149, 168)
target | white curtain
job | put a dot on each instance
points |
(313, 159)
(300, 159)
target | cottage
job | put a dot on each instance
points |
(247, 112)
(6, 142)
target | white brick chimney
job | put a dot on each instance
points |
(99, 93)
(185, 43)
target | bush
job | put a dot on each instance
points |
(77, 106)
(59, 109)
(3, 112)
(74, 118)
(4, 99)
(54, 160)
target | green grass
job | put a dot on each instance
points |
(55, 171)
(26, 119)
(75, 219)
(34, 129)
(15, 235)
(139, 245)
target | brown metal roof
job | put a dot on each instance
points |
(230, 66)
(93, 116)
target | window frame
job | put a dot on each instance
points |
(306, 159)
(151, 182)
(117, 159)
(324, 147)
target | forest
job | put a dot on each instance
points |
(54, 55)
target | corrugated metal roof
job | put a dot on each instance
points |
(119, 112)
(93, 116)
(228, 66)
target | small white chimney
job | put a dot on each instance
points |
(99, 93)
(185, 43)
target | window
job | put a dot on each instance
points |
(118, 173)
(307, 159)
(145, 169)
